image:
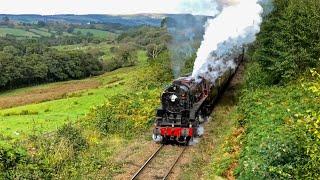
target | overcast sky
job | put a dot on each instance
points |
(49, 7)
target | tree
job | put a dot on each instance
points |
(41, 23)
(70, 29)
(153, 50)
(164, 22)
(127, 55)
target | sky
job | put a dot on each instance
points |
(50, 7)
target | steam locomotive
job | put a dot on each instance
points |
(185, 105)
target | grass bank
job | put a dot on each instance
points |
(45, 114)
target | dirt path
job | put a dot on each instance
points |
(46, 94)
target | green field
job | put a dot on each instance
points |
(96, 33)
(16, 32)
(41, 32)
(103, 47)
(21, 121)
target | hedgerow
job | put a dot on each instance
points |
(282, 132)
(289, 42)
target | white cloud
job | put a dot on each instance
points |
(88, 6)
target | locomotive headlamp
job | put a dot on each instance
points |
(173, 98)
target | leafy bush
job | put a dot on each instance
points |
(125, 56)
(73, 136)
(10, 157)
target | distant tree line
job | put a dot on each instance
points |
(154, 40)
(24, 63)
(34, 60)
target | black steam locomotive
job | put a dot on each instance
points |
(185, 105)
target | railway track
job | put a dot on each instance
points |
(148, 164)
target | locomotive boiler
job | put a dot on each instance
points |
(185, 104)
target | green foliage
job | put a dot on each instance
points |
(145, 35)
(127, 115)
(157, 75)
(10, 157)
(131, 112)
(154, 50)
(95, 33)
(255, 77)
(73, 136)
(275, 145)
(188, 67)
(282, 123)
(125, 56)
(39, 64)
(46, 157)
(4, 31)
(281, 140)
(289, 42)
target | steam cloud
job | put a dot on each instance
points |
(185, 29)
(236, 25)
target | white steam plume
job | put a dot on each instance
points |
(235, 26)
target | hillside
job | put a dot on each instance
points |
(123, 20)
(134, 20)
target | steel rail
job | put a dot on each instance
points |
(175, 162)
(146, 163)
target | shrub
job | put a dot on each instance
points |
(74, 137)
(10, 157)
